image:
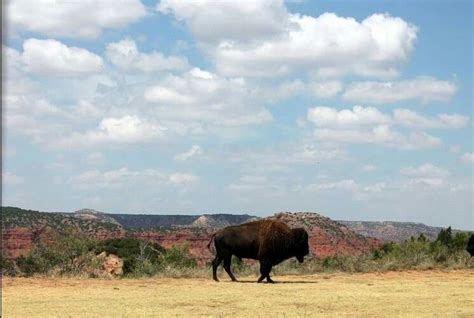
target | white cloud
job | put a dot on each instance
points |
(444, 121)
(206, 98)
(183, 178)
(426, 170)
(300, 153)
(369, 125)
(455, 148)
(212, 22)
(369, 168)
(326, 89)
(194, 151)
(125, 55)
(95, 159)
(347, 184)
(11, 179)
(287, 89)
(128, 129)
(275, 42)
(366, 116)
(53, 58)
(357, 117)
(126, 178)
(427, 182)
(468, 157)
(13, 65)
(75, 19)
(380, 135)
(425, 89)
(249, 183)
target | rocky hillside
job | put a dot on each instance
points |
(392, 231)
(328, 237)
(23, 228)
(88, 221)
(89, 214)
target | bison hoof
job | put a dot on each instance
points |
(269, 280)
(215, 278)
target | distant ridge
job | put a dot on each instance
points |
(90, 214)
(23, 228)
(389, 231)
(148, 221)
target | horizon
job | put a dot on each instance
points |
(248, 214)
(360, 110)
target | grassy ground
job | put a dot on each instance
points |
(414, 294)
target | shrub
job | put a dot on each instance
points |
(140, 257)
(178, 256)
(60, 252)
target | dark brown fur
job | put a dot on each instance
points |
(470, 245)
(268, 241)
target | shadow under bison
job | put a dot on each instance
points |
(269, 242)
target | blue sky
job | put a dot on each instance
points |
(355, 110)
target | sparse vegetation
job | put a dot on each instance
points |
(73, 254)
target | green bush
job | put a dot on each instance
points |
(178, 257)
(139, 256)
(74, 254)
(60, 253)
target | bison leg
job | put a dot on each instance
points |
(227, 261)
(265, 269)
(215, 263)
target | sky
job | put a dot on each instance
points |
(357, 110)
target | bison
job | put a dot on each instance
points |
(269, 242)
(470, 245)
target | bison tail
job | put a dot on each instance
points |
(210, 241)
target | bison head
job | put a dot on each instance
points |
(300, 239)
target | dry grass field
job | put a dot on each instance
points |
(414, 294)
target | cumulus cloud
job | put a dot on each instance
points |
(326, 89)
(299, 153)
(195, 150)
(53, 58)
(125, 177)
(369, 168)
(276, 42)
(183, 178)
(213, 22)
(379, 135)
(129, 129)
(95, 159)
(75, 19)
(250, 183)
(426, 170)
(347, 184)
(413, 120)
(468, 157)
(425, 175)
(125, 55)
(369, 125)
(358, 116)
(425, 89)
(207, 98)
(368, 116)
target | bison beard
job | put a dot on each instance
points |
(270, 242)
